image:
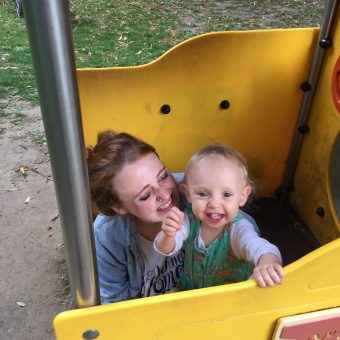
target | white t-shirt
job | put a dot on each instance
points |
(161, 272)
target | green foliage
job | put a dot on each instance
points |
(16, 77)
(37, 136)
(17, 118)
(120, 33)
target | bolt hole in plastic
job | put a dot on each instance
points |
(225, 104)
(165, 109)
(90, 334)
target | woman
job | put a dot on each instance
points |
(133, 191)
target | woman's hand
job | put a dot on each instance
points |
(268, 271)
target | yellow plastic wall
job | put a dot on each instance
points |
(312, 177)
(258, 72)
(239, 311)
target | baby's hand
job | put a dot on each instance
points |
(172, 222)
(269, 271)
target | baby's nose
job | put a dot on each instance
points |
(213, 202)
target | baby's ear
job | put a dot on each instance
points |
(245, 194)
(119, 210)
(184, 189)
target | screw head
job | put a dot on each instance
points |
(325, 43)
(303, 129)
(305, 87)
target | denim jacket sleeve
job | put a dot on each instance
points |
(114, 259)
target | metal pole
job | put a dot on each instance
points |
(50, 36)
(324, 42)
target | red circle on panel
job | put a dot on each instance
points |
(336, 85)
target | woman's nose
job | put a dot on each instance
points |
(162, 195)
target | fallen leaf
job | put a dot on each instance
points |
(21, 304)
(23, 169)
(122, 37)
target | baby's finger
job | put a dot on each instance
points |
(176, 211)
(169, 231)
(274, 275)
(179, 214)
(175, 214)
(170, 223)
(266, 276)
(168, 228)
(279, 270)
(260, 282)
(257, 276)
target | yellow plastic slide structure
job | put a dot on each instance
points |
(240, 89)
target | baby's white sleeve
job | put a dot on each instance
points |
(248, 245)
(181, 236)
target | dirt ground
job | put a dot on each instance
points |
(32, 265)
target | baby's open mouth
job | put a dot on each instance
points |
(215, 217)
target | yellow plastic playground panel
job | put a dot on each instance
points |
(259, 73)
(239, 311)
(314, 178)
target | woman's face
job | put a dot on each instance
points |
(146, 189)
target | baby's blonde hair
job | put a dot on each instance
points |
(223, 151)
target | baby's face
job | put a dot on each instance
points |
(216, 188)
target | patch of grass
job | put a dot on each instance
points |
(3, 106)
(38, 137)
(17, 118)
(16, 76)
(120, 33)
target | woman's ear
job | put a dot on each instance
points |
(119, 210)
(244, 196)
(184, 188)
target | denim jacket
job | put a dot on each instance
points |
(119, 260)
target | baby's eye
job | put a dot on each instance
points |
(227, 194)
(202, 194)
(145, 197)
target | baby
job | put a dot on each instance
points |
(221, 246)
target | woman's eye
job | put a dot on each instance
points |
(144, 197)
(164, 176)
(226, 194)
